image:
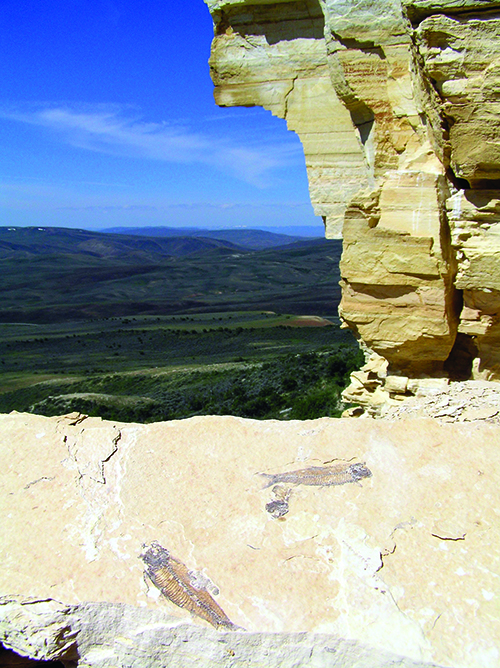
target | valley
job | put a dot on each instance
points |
(116, 326)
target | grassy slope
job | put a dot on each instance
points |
(144, 375)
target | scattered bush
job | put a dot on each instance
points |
(300, 386)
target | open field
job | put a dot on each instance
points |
(251, 333)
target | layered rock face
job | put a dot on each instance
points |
(219, 541)
(397, 106)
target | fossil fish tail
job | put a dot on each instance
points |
(172, 578)
(271, 479)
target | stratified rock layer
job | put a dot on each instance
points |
(401, 567)
(397, 106)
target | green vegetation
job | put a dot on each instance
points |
(147, 369)
(181, 336)
(301, 386)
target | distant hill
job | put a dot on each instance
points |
(246, 238)
(26, 242)
(57, 274)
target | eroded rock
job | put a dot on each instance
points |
(396, 104)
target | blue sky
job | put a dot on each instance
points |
(107, 119)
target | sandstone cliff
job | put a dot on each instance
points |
(400, 568)
(397, 105)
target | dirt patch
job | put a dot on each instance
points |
(308, 321)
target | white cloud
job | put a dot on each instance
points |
(109, 130)
(192, 207)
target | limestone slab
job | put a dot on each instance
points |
(405, 562)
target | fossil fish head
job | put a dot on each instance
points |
(155, 556)
(360, 471)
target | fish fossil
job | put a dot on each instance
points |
(176, 583)
(338, 474)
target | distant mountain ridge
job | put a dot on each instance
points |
(25, 242)
(250, 238)
(135, 243)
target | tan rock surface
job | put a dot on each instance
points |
(406, 562)
(396, 103)
(462, 57)
(468, 401)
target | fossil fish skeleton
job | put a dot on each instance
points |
(338, 474)
(174, 580)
